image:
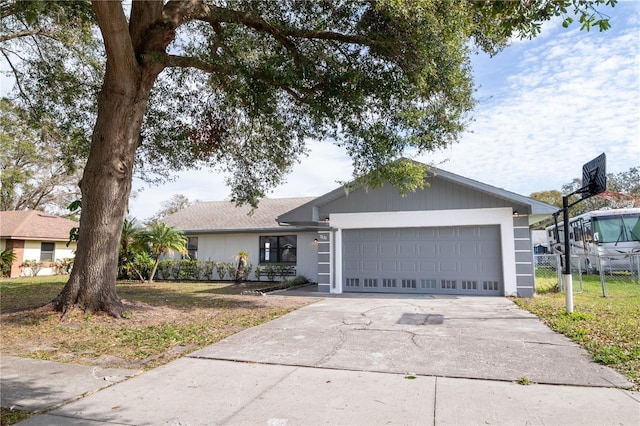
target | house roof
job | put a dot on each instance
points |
(301, 212)
(34, 225)
(536, 210)
(225, 216)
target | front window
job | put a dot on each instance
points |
(192, 247)
(615, 229)
(278, 249)
(47, 251)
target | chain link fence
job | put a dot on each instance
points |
(623, 268)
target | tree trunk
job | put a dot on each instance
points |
(136, 49)
(105, 187)
(242, 263)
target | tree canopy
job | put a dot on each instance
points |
(376, 77)
(34, 173)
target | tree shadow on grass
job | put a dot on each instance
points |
(177, 298)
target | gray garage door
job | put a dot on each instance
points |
(446, 260)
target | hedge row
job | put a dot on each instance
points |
(208, 270)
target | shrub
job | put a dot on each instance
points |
(63, 266)
(221, 269)
(31, 268)
(258, 272)
(247, 271)
(270, 270)
(207, 269)
(283, 270)
(291, 282)
(165, 268)
(142, 265)
(6, 260)
(231, 270)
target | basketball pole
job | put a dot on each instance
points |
(567, 279)
(594, 181)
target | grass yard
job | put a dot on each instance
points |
(163, 321)
(607, 327)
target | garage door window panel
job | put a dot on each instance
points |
(490, 286)
(370, 283)
(429, 284)
(469, 285)
(352, 282)
(389, 283)
(448, 284)
(409, 284)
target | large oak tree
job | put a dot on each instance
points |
(242, 85)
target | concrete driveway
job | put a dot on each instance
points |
(373, 361)
(465, 337)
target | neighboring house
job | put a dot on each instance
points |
(35, 236)
(457, 236)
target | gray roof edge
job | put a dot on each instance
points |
(244, 230)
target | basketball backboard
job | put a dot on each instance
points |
(594, 176)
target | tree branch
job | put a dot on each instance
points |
(115, 32)
(25, 33)
(217, 14)
(191, 62)
(17, 77)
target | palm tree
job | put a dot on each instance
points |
(161, 239)
(131, 242)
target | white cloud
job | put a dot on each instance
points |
(563, 101)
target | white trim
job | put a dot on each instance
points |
(432, 218)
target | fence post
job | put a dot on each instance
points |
(559, 274)
(604, 290)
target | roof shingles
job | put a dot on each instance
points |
(34, 225)
(226, 216)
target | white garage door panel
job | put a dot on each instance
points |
(450, 260)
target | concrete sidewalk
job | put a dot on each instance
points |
(370, 361)
(35, 385)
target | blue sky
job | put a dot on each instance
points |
(545, 107)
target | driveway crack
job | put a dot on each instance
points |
(335, 349)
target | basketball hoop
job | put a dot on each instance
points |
(619, 200)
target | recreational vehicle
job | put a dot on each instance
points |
(606, 239)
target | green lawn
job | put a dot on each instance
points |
(607, 327)
(163, 321)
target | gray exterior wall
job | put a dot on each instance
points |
(525, 271)
(440, 195)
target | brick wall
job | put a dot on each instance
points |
(18, 251)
